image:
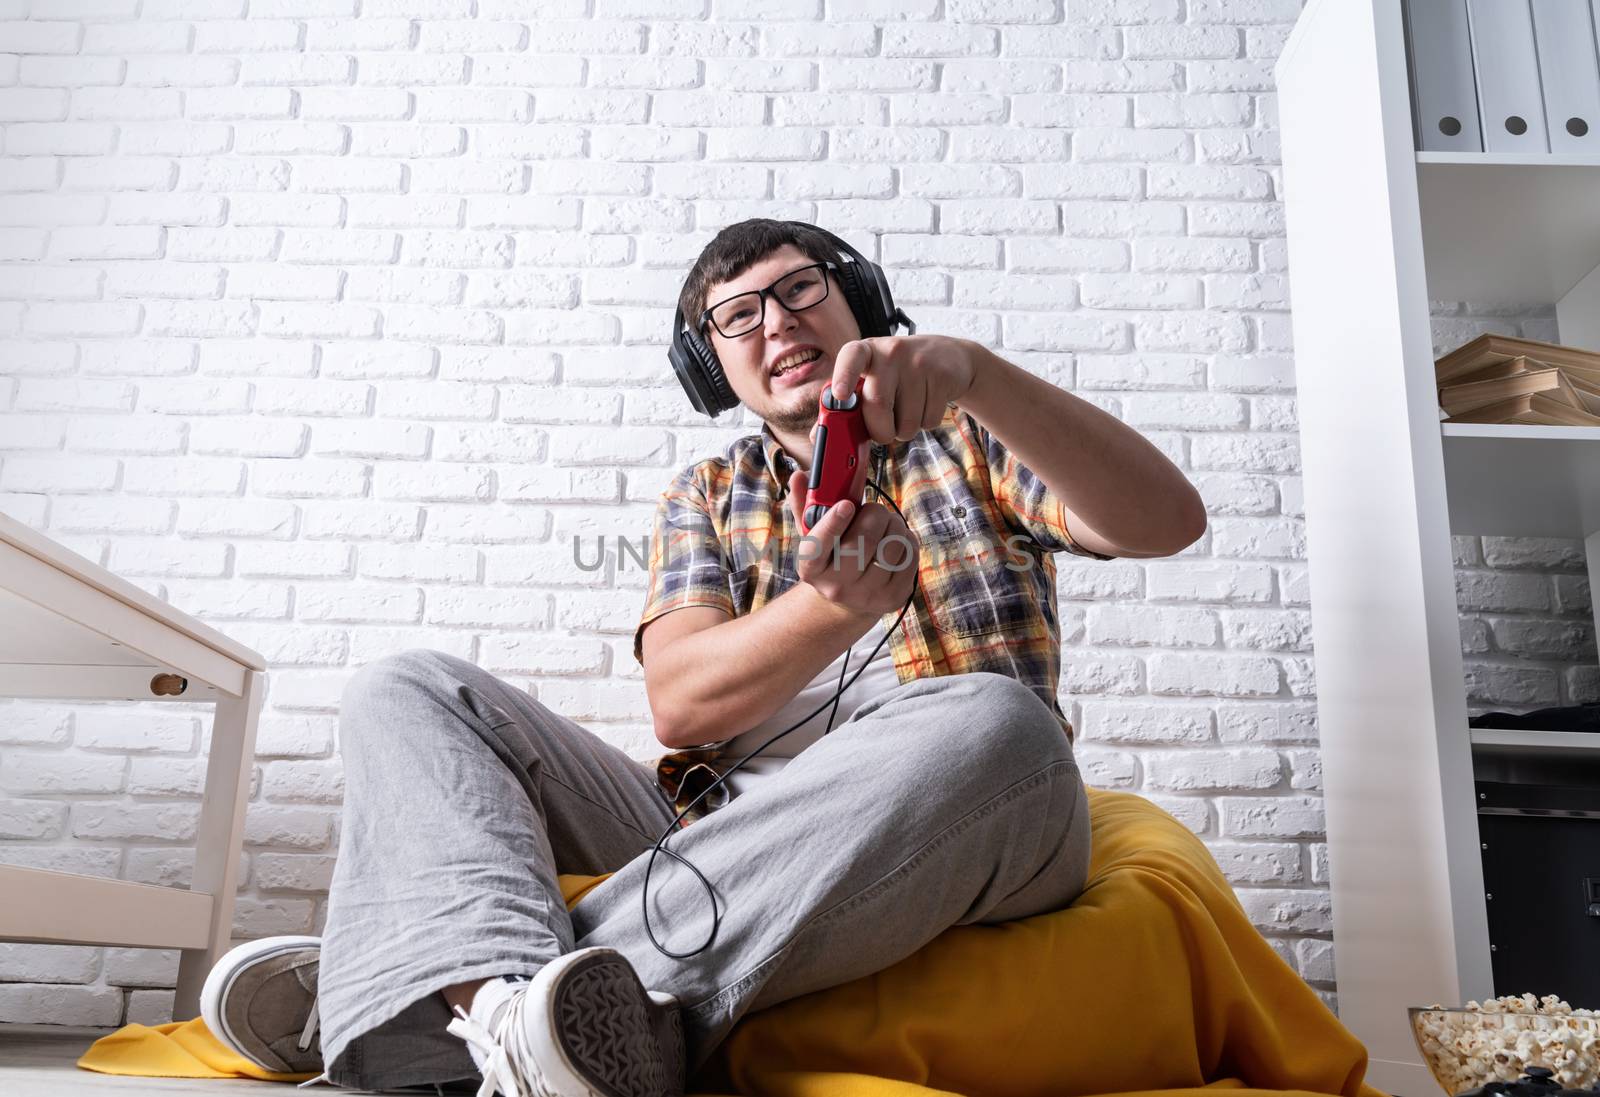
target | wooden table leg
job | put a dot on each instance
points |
(219, 844)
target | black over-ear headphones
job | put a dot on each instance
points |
(865, 288)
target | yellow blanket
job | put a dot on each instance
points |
(1154, 981)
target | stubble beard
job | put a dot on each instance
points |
(797, 418)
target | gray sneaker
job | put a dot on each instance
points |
(261, 1001)
(583, 1027)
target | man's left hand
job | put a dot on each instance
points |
(907, 380)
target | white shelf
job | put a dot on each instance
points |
(1549, 744)
(1508, 229)
(1512, 480)
(1513, 159)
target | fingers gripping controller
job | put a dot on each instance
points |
(839, 457)
(831, 402)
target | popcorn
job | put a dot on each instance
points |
(1493, 1041)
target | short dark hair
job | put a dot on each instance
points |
(739, 247)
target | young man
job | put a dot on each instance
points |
(940, 790)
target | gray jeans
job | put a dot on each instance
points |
(945, 801)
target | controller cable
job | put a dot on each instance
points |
(660, 845)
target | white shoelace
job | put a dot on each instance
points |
(509, 1067)
(313, 1022)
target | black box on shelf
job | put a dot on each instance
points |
(1541, 871)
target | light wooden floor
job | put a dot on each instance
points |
(40, 1061)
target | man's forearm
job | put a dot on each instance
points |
(726, 679)
(1115, 482)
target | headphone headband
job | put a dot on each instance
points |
(866, 290)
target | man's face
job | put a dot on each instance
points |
(787, 400)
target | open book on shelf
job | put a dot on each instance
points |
(1499, 379)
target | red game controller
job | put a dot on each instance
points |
(839, 459)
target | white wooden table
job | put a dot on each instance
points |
(70, 630)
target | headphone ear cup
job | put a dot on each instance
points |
(882, 301)
(868, 312)
(876, 293)
(719, 395)
(699, 372)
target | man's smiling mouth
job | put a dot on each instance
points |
(789, 363)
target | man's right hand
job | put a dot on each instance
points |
(854, 579)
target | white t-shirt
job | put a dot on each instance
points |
(879, 677)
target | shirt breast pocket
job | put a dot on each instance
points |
(979, 580)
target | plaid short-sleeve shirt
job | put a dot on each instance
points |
(987, 527)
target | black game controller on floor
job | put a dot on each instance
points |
(1535, 1082)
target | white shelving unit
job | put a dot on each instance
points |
(1376, 230)
(1519, 742)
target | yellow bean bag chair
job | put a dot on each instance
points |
(1152, 982)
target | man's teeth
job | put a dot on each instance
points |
(808, 356)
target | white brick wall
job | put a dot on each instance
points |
(333, 321)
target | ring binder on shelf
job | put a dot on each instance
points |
(1444, 100)
(1506, 62)
(1569, 74)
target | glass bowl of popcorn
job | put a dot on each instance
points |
(1496, 1040)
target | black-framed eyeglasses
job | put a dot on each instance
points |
(744, 312)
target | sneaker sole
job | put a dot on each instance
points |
(604, 1034)
(221, 978)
